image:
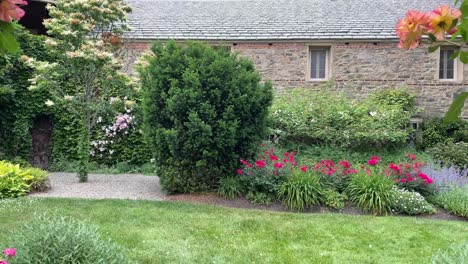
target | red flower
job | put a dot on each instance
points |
(345, 164)
(239, 171)
(410, 179)
(351, 171)
(275, 173)
(393, 167)
(304, 168)
(411, 156)
(286, 154)
(273, 157)
(403, 180)
(263, 144)
(372, 162)
(249, 165)
(293, 153)
(423, 176)
(429, 181)
(243, 162)
(260, 164)
(278, 165)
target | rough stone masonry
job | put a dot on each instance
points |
(356, 68)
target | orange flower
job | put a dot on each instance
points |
(411, 29)
(9, 10)
(441, 19)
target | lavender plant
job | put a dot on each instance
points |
(446, 178)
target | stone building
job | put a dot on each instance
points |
(349, 44)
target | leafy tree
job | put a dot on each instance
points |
(86, 35)
(204, 109)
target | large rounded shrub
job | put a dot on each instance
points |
(58, 240)
(203, 109)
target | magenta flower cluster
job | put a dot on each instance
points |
(9, 254)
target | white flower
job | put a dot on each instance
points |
(373, 113)
(68, 97)
(152, 160)
(99, 120)
(49, 103)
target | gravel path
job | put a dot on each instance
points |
(104, 186)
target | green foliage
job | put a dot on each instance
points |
(259, 198)
(435, 131)
(401, 98)
(456, 108)
(371, 193)
(324, 117)
(454, 200)
(15, 181)
(231, 187)
(333, 199)
(204, 109)
(457, 253)
(19, 105)
(450, 153)
(410, 203)
(300, 191)
(61, 240)
(38, 179)
(8, 42)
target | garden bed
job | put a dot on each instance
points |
(215, 199)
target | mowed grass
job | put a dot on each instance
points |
(172, 232)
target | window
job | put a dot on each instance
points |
(447, 66)
(319, 57)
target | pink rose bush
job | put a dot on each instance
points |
(9, 253)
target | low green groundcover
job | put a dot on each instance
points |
(170, 232)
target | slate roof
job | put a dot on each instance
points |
(270, 19)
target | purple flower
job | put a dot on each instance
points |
(446, 178)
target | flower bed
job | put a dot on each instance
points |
(378, 186)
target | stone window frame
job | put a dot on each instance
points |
(328, 59)
(457, 67)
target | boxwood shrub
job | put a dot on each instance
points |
(203, 109)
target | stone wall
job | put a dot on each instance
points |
(356, 69)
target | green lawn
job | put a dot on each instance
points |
(170, 232)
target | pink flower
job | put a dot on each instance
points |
(423, 176)
(411, 29)
(345, 164)
(239, 171)
(286, 154)
(372, 162)
(243, 162)
(249, 165)
(9, 252)
(275, 173)
(9, 10)
(441, 20)
(278, 165)
(3, 262)
(260, 164)
(304, 168)
(411, 156)
(273, 157)
(429, 181)
(350, 171)
(403, 180)
(393, 167)
(396, 180)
